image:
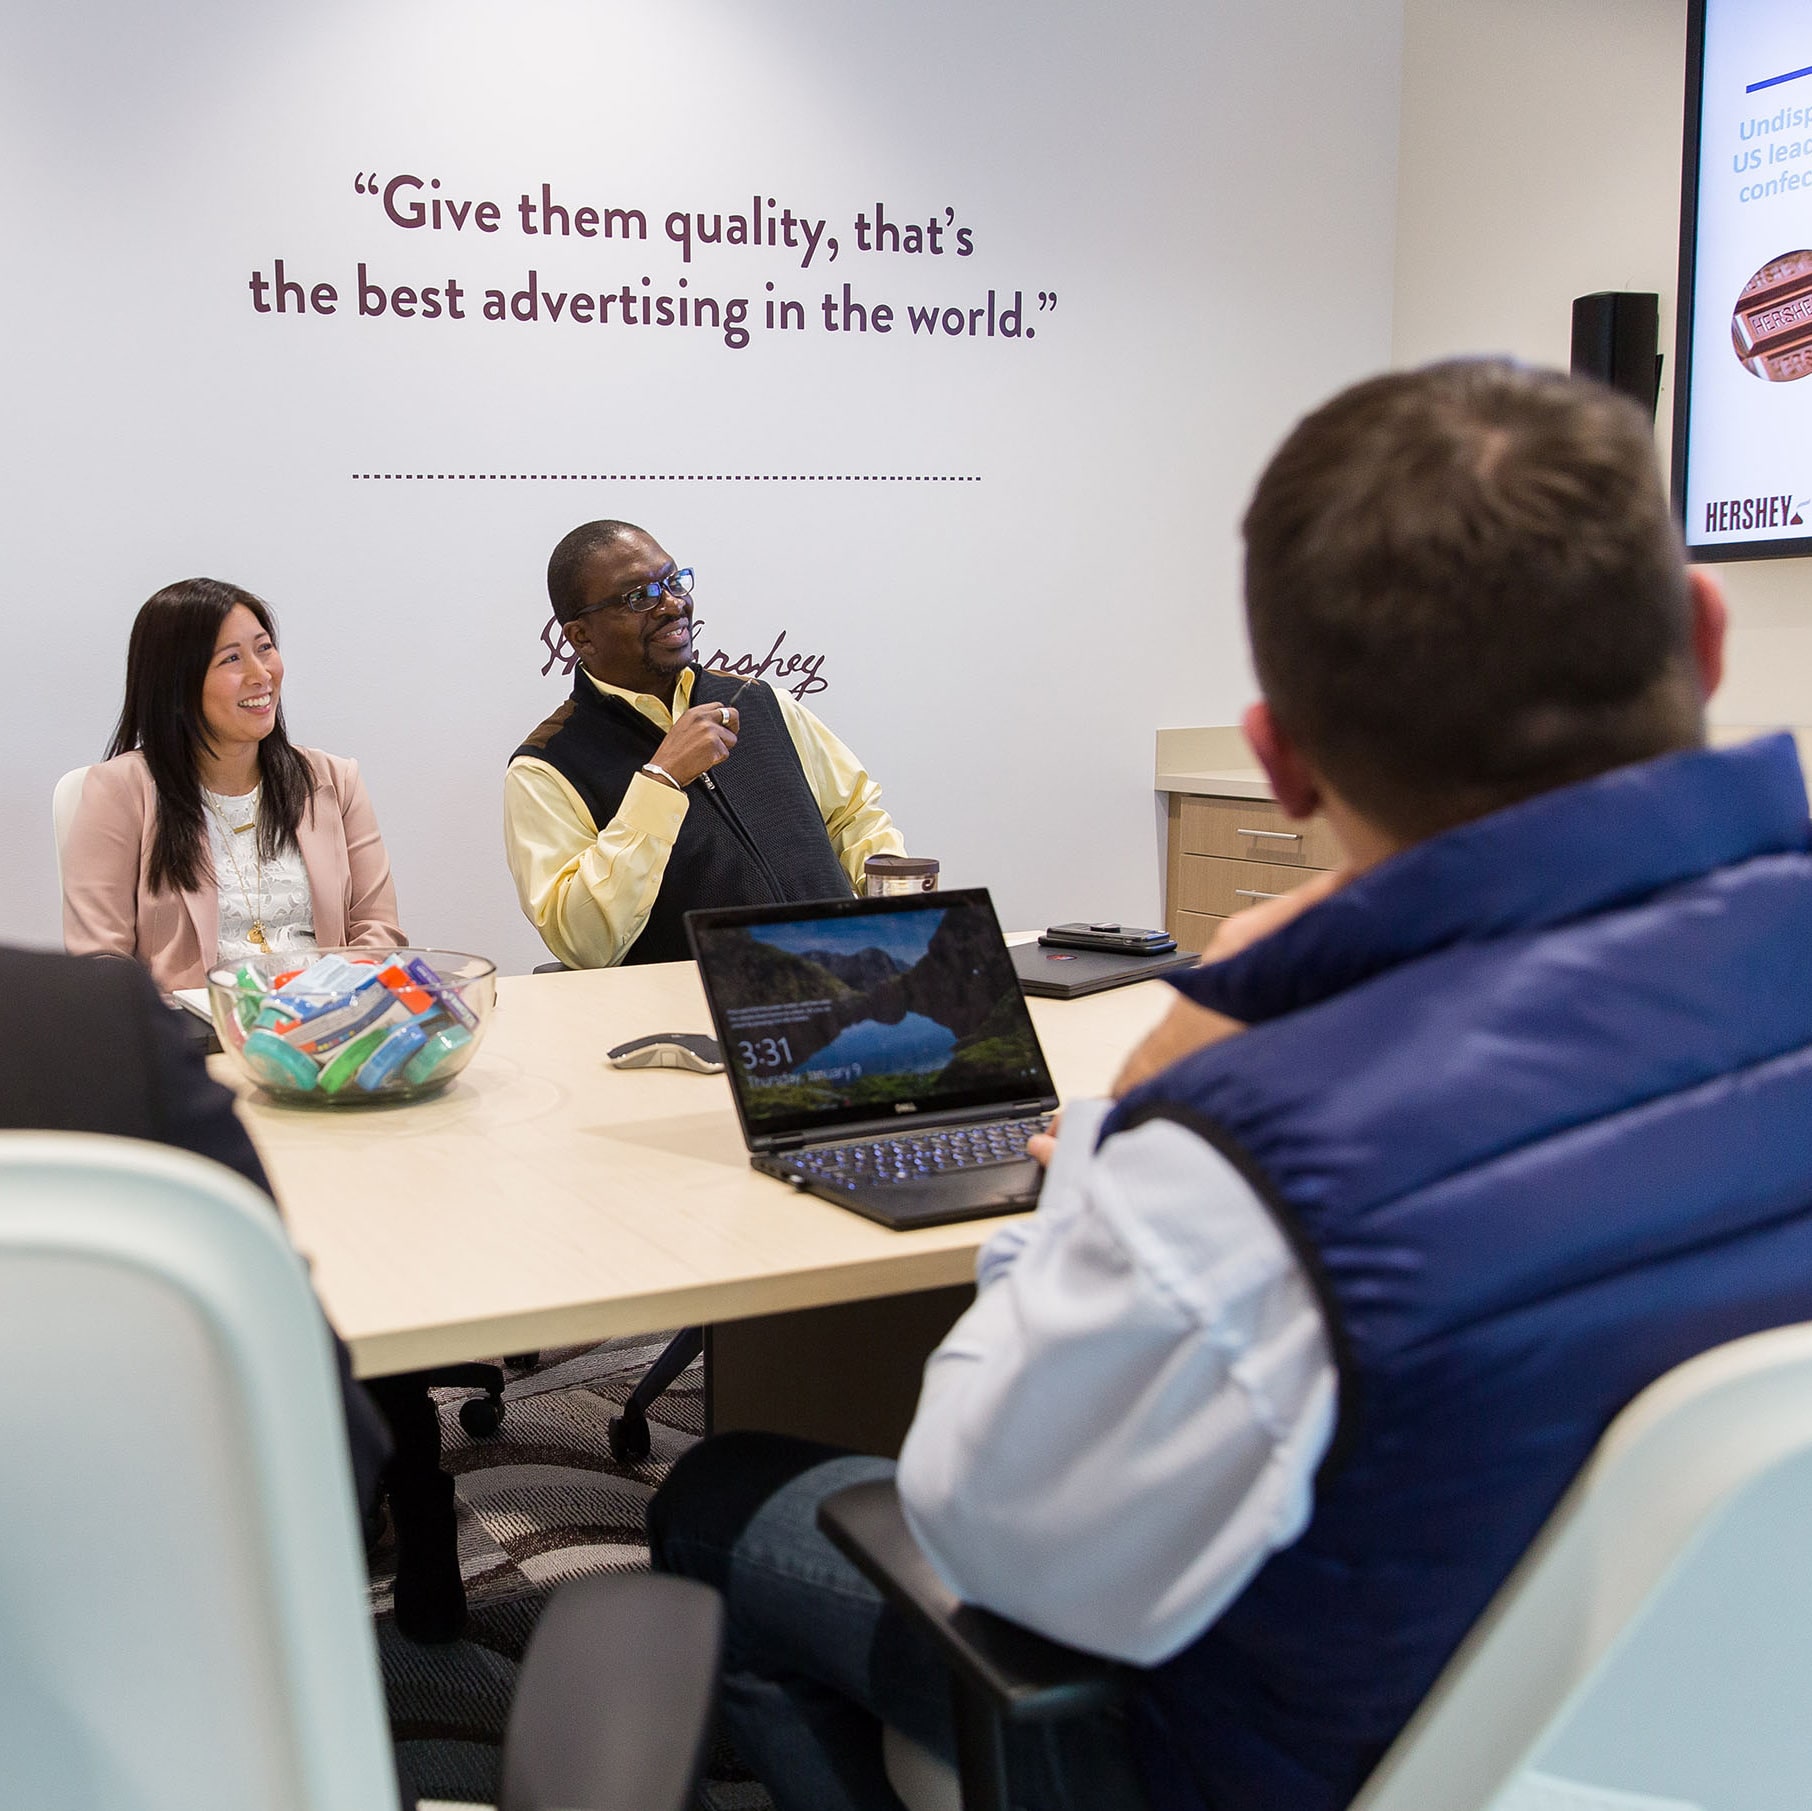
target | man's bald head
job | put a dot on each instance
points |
(567, 562)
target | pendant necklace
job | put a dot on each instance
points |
(255, 935)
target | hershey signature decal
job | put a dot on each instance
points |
(800, 674)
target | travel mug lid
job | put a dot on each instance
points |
(904, 866)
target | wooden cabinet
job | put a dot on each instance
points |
(1251, 830)
(1225, 854)
(1229, 846)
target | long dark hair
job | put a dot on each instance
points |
(167, 661)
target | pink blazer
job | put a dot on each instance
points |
(109, 908)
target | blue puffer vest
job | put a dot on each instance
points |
(1533, 1101)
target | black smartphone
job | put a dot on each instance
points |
(1129, 939)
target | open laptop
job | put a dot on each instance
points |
(880, 1052)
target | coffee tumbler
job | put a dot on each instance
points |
(890, 874)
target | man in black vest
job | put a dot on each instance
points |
(649, 793)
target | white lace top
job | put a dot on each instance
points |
(281, 900)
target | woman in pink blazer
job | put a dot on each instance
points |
(206, 834)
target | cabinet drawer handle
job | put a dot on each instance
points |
(1251, 893)
(1276, 836)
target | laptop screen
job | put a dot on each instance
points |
(848, 1011)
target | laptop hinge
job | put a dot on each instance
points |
(773, 1143)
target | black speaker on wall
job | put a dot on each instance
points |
(1615, 335)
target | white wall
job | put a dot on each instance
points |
(1540, 160)
(1189, 179)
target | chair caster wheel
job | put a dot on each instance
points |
(628, 1437)
(481, 1415)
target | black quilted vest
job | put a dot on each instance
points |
(752, 831)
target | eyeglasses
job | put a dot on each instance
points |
(645, 597)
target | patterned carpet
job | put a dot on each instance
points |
(540, 1501)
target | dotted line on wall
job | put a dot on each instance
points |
(666, 477)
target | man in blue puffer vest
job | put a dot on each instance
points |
(1429, 1171)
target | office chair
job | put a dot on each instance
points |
(1655, 1640)
(430, 1596)
(1000, 1673)
(64, 798)
(627, 1433)
(186, 1622)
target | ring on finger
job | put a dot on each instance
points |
(723, 715)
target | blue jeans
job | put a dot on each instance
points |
(815, 1661)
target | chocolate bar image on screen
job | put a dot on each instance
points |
(1772, 326)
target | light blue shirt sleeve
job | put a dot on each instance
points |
(1127, 1422)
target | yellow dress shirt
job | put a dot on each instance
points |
(589, 891)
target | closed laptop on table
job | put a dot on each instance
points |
(1068, 974)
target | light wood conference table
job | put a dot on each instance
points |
(547, 1199)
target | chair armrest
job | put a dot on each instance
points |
(614, 1702)
(1027, 1677)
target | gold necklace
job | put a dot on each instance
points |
(255, 935)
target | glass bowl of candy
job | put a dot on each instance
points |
(352, 1027)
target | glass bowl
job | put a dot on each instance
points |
(352, 1027)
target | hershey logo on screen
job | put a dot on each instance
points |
(1735, 515)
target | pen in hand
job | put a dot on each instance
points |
(695, 744)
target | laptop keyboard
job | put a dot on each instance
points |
(884, 1162)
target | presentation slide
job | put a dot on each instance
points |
(1749, 429)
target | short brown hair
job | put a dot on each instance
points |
(1464, 586)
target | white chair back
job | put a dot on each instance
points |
(63, 802)
(183, 1622)
(921, 1781)
(1654, 1646)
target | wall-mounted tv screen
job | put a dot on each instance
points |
(1743, 362)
